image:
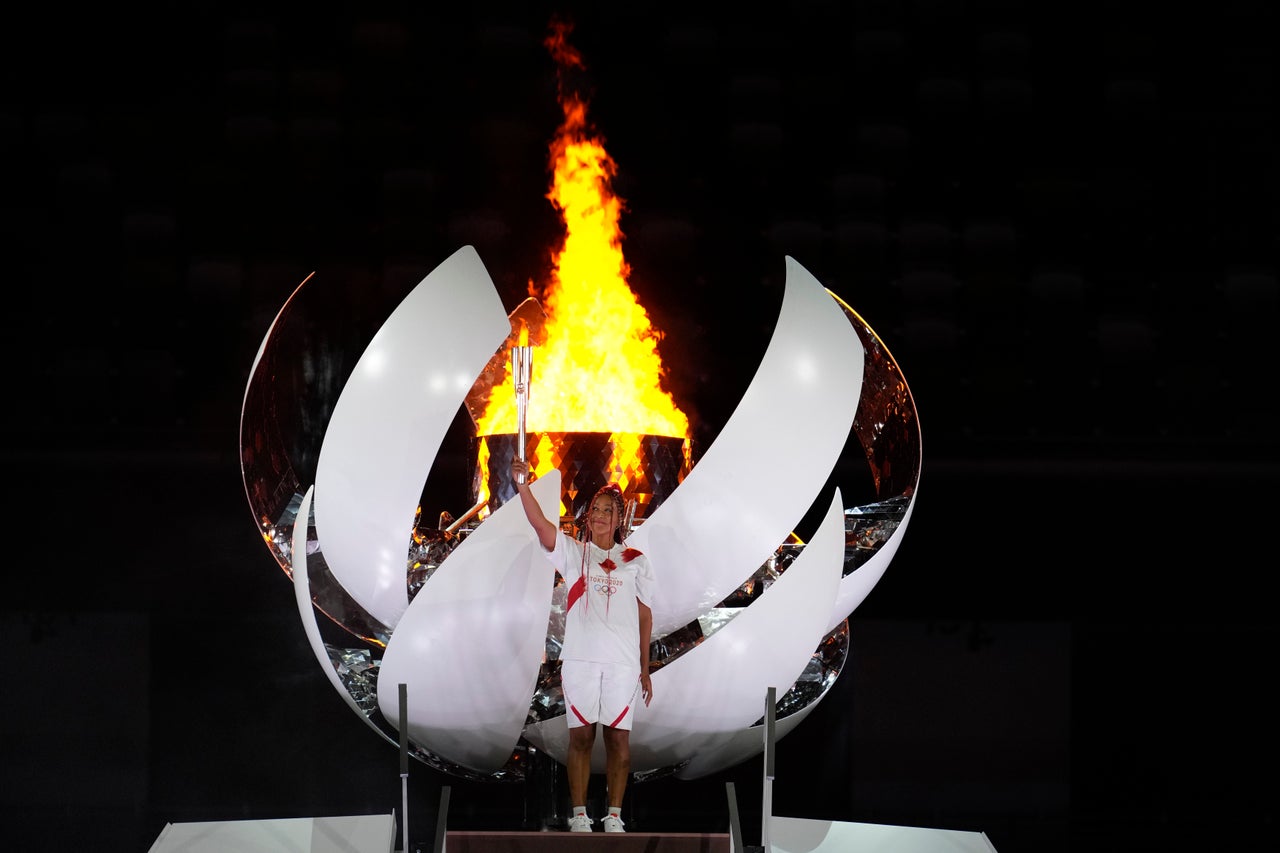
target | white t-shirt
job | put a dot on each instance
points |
(602, 621)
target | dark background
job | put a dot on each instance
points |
(1061, 221)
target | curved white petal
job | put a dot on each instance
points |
(741, 745)
(302, 593)
(772, 457)
(702, 699)
(470, 644)
(389, 423)
(855, 587)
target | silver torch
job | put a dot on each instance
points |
(521, 361)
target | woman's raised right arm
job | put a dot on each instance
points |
(542, 525)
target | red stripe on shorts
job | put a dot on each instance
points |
(620, 716)
(579, 716)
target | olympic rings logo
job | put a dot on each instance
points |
(607, 589)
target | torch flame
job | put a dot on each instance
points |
(597, 368)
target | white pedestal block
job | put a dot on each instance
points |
(351, 834)
(796, 835)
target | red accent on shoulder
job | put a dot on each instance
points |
(630, 554)
(575, 592)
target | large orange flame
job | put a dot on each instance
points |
(597, 368)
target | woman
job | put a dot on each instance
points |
(604, 661)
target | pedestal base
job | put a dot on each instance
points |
(581, 842)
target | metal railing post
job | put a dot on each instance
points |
(766, 811)
(442, 819)
(404, 767)
(735, 823)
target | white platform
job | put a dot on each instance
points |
(796, 835)
(350, 834)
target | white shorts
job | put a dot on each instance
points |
(600, 692)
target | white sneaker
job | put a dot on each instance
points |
(580, 823)
(612, 823)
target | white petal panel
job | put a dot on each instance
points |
(741, 745)
(855, 587)
(302, 594)
(702, 699)
(388, 425)
(470, 644)
(766, 466)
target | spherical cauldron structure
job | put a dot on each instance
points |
(335, 455)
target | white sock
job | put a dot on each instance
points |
(579, 810)
(616, 811)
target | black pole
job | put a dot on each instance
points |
(404, 767)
